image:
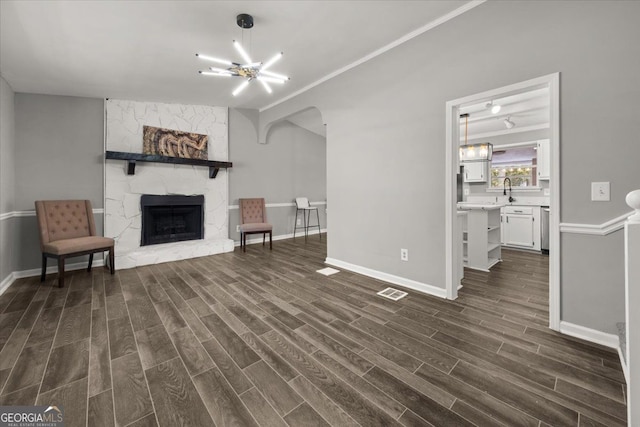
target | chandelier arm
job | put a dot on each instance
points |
(242, 52)
(266, 86)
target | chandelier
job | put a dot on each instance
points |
(249, 70)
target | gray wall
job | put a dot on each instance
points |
(58, 155)
(602, 258)
(7, 179)
(59, 149)
(292, 165)
(386, 133)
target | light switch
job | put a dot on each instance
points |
(600, 192)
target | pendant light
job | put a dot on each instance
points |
(481, 152)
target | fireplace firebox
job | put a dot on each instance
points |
(171, 218)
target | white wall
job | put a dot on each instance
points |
(386, 133)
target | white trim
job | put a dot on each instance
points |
(591, 335)
(279, 205)
(552, 81)
(555, 279)
(441, 20)
(279, 237)
(390, 278)
(596, 229)
(4, 285)
(21, 214)
(8, 281)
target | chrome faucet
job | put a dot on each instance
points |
(504, 189)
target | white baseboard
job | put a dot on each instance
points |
(396, 280)
(4, 285)
(591, 335)
(6, 282)
(253, 241)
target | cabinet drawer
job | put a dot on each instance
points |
(522, 210)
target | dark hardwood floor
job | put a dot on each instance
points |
(260, 338)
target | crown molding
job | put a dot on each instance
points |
(436, 22)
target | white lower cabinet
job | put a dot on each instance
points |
(521, 227)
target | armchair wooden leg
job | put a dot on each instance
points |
(61, 272)
(90, 262)
(270, 241)
(244, 242)
(112, 260)
(44, 268)
(264, 235)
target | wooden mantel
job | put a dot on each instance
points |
(131, 159)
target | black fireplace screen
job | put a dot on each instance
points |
(171, 218)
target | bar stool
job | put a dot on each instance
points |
(302, 204)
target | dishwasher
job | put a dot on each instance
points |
(544, 229)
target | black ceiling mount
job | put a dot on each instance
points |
(244, 20)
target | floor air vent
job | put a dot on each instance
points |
(392, 294)
(328, 271)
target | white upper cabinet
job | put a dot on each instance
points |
(544, 159)
(475, 171)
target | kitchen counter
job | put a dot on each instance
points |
(479, 205)
(520, 200)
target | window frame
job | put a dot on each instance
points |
(537, 187)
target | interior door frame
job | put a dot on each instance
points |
(552, 81)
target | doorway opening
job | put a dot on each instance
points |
(482, 117)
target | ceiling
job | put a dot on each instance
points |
(145, 50)
(527, 110)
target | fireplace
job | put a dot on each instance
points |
(171, 218)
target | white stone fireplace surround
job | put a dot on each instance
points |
(122, 211)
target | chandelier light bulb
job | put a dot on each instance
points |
(272, 61)
(270, 79)
(265, 85)
(215, 73)
(220, 70)
(276, 75)
(240, 88)
(212, 59)
(242, 52)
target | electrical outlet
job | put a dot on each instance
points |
(237, 228)
(404, 254)
(600, 192)
(466, 191)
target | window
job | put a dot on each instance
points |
(516, 163)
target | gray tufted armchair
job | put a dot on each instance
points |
(67, 229)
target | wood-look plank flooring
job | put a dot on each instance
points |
(260, 338)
